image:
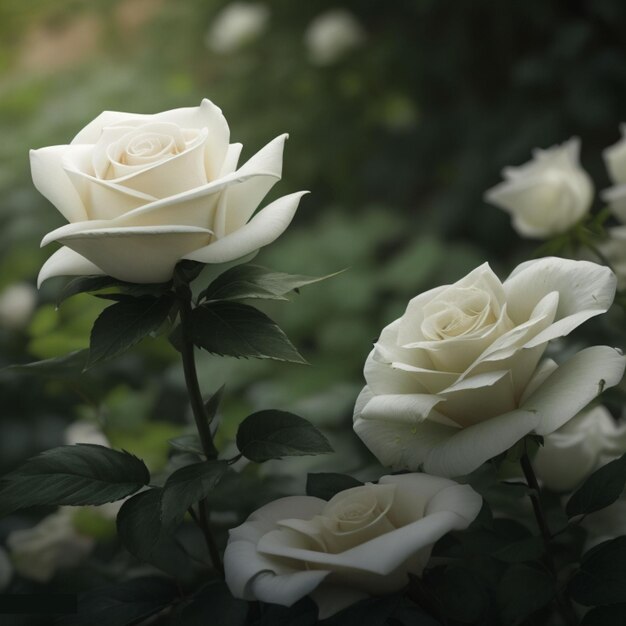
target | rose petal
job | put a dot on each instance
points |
(585, 290)
(468, 448)
(288, 588)
(232, 158)
(260, 231)
(66, 262)
(544, 369)
(137, 255)
(574, 384)
(406, 408)
(52, 182)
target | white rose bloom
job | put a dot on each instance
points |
(458, 379)
(615, 160)
(331, 35)
(237, 24)
(52, 544)
(578, 448)
(142, 192)
(6, 570)
(364, 541)
(17, 303)
(547, 195)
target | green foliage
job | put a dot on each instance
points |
(605, 615)
(188, 485)
(212, 600)
(239, 330)
(522, 591)
(245, 282)
(123, 603)
(275, 434)
(125, 323)
(600, 489)
(73, 475)
(187, 443)
(461, 595)
(602, 576)
(325, 485)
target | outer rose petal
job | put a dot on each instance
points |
(66, 262)
(137, 255)
(260, 231)
(51, 181)
(574, 385)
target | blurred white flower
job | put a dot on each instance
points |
(582, 445)
(330, 35)
(547, 195)
(605, 524)
(52, 544)
(236, 25)
(17, 303)
(6, 570)
(614, 250)
(85, 432)
(615, 161)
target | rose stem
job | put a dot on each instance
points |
(531, 479)
(199, 413)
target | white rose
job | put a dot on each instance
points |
(17, 303)
(579, 447)
(51, 545)
(458, 379)
(615, 160)
(235, 25)
(142, 192)
(365, 540)
(330, 35)
(547, 195)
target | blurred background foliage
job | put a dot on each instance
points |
(397, 138)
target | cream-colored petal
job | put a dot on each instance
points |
(91, 133)
(136, 255)
(260, 231)
(51, 180)
(544, 369)
(231, 160)
(407, 408)
(574, 385)
(66, 262)
(288, 588)
(384, 378)
(470, 447)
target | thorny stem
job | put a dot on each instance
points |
(199, 413)
(565, 606)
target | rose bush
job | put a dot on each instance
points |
(459, 379)
(142, 192)
(547, 195)
(365, 540)
(579, 447)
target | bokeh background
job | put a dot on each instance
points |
(401, 114)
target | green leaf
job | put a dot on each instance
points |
(187, 443)
(325, 485)
(602, 575)
(461, 596)
(600, 490)
(274, 434)
(239, 330)
(606, 615)
(60, 366)
(216, 601)
(85, 284)
(142, 532)
(245, 282)
(189, 485)
(213, 403)
(73, 475)
(522, 591)
(122, 325)
(123, 603)
(528, 549)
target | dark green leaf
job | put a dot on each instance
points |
(239, 330)
(122, 325)
(252, 281)
(600, 490)
(213, 403)
(614, 615)
(522, 591)
(213, 604)
(187, 271)
(188, 485)
(326, 485)
(61, 366)
(274, 434)
(461, 597)
(73, 475)
(123, 603)
(528, 549)
(602, 575)
(143, 534)
(187, 443)
(85, 284)
(302, 613)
